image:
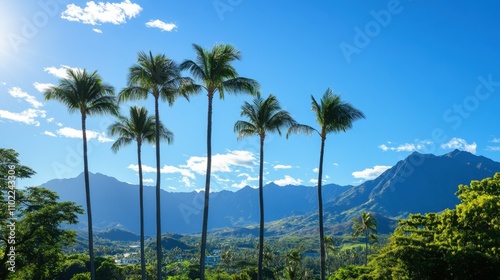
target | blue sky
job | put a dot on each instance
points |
(426, 75)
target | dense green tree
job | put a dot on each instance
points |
(159, 76)
(264, 116)
(333, 116)
(31, 237)
(366, 225)
(216, 75)
(139, 127)
(85, 93)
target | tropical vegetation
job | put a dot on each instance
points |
(459, 243)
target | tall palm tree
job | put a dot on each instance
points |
(333, 116)
(87, 93)
(214, 70)
(159, 76)
(264, 116)
(367, 226)
(139, 127)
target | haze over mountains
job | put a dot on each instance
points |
(418, 184)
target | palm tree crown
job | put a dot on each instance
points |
(213, 68)
(264, 115)
(84, 92)
(157, 75)
(332, 114)
(139, 127)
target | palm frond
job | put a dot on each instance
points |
(298, 128)
(245, 129)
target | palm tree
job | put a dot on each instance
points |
(265, 116)
(333, 116)
(214, 70)
(139, 127)
(159, 76)
(367, 226)
(87, 93)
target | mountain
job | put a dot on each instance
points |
(418, 184)
(115, 204)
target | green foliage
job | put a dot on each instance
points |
(365, 226)
(30, 233)
(462, 243)
(81, 276)
(350, 272)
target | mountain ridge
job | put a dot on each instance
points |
(419, 183)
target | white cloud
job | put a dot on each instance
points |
(18, 93)
(281, 166)
(49, 133)
(166, 169)
(336, 164)
(401, 148)
(28, 116)
(41, 87)
(220, 179)
(494, 148)
(148, 181)
(49, 120)
(97, 30)
(315, 170)
(222, 162)
(314, 181)
(59, 124)
(77, 133)
(370, 173)
(461, 144)
(186, 181)
(164, 26)
(172, 188)
(288, 180)
(246, 181)
(96, 14)
(406, 147)
(60, 72)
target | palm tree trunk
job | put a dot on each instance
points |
(87, 196)
(366, 247)
(207, 189)
(141, 210)
(320, 211)
(158, 184)
(261, 208)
